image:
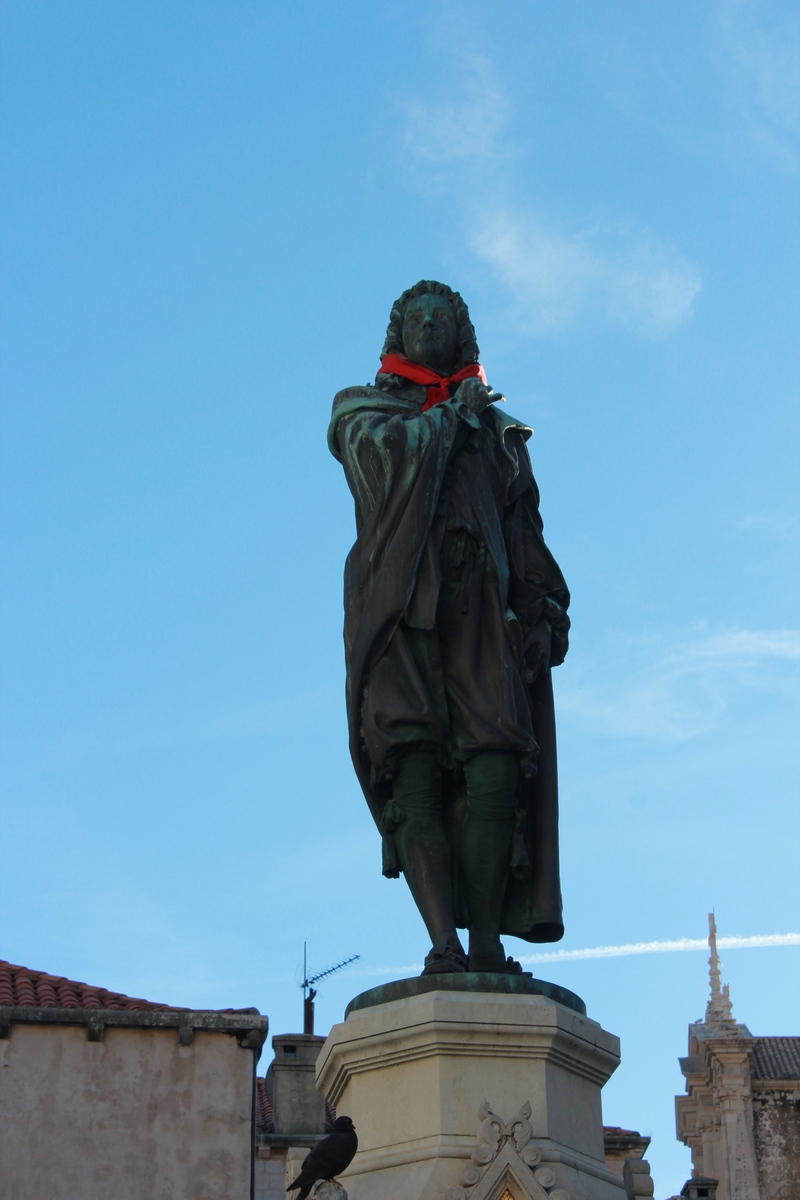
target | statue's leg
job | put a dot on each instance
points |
(424, 854)
(486, 837)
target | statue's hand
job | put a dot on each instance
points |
(537, 648)
(476, 395)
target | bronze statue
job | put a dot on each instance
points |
(455, 612)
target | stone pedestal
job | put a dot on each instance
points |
(481, 1089)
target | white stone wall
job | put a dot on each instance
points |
(777, 1137)
(270, 1180)
(275, 1169)
(135, 1116)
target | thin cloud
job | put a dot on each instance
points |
(685, 690)
(784, 529)
(401, 972)
(464, 123)
(731, 88)
(759, 941)
(756, 942)
(747, 646)
(556, 278)
(762, 43)
(462, 132)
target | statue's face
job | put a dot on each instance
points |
(430, 336)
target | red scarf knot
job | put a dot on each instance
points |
(439, 386)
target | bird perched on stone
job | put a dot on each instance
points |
(330, 1156)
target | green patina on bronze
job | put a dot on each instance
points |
(472, 981)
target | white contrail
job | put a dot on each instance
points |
(723, 943)
(403, 972)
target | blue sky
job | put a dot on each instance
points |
(207, 211)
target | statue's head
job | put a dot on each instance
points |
(430, 324)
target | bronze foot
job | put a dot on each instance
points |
(496, 964)
(445, 961)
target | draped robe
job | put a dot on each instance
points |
(398, 462)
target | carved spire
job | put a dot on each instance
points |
(719, 1010)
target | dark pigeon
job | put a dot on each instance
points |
(328, 1158)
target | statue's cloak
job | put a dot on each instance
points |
(395, 458)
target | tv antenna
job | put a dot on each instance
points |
(309, 992)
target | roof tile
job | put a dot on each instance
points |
(776, 1058)
(36, 989)
(264, 1118)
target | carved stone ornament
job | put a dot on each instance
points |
(504, 1164)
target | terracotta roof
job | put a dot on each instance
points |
(264, 1116)
(776, 1058)
(22, 987)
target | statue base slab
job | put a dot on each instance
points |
(472, 1092)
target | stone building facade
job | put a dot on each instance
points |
(291, 1114)
(103, 1095)
(775, 1084)
(740, 1116)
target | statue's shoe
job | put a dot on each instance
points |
(496, 964)
(448, 961)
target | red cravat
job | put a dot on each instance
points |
(438, 385)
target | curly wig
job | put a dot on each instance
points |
(467, 345)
